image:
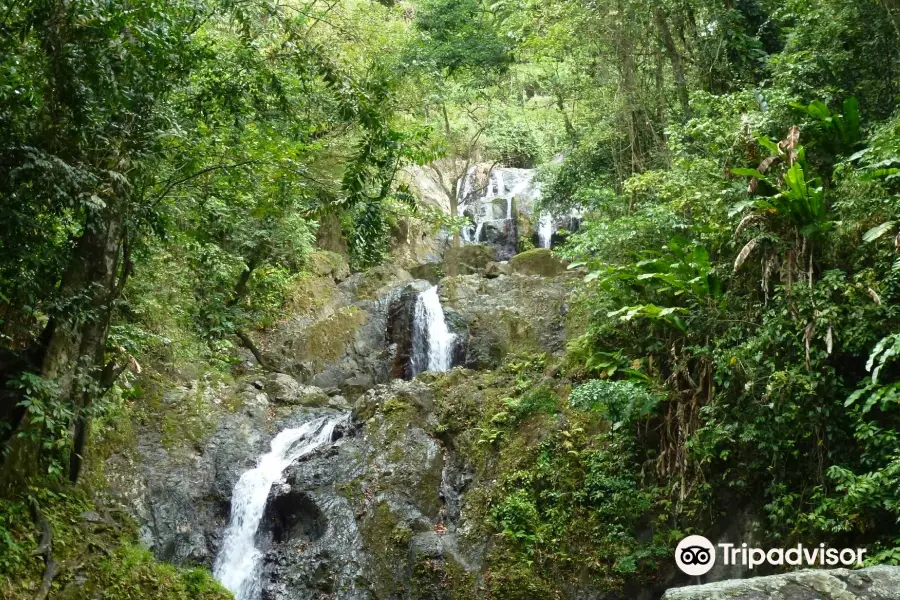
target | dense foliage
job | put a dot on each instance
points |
(169, 167)
(743, 269)
(737, 165)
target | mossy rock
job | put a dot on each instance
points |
(377, 279)
(386, 537)
(436, 574)
(470, 258)
(324, 263)
(431, 272)
(526, 232)
(326, 340)
(284, 389)
(539, 261)
(102, 547)
(495, 335)
(309, 293)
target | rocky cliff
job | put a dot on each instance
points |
(431, 488)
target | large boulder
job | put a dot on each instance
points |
(343, 342)
(873, 583)
(284, 389)
(496, 269)
(324, 263)
(470, 259)
(539, 261)
(494, 317)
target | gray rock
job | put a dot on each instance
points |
(873, 583)
(469, 259)
(284, 389)
(431, 272)
(496, 269)
(539, 261)
(354, 520)
(344, 345)
(400, 327)
(495, 316)
(502, 234)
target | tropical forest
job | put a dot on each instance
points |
(449, 299)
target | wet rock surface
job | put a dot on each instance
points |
(343, 344)
(400, 328)
(873, 583)
(359, 519)
(183, 492)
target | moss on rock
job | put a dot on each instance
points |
(470, 258)
(324, 263)
(326, 340)
(383, 538)
(539, 261)
(309, 293)
(99, 552)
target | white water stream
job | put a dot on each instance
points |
(432, 342)
(545, 230)
(237, 566)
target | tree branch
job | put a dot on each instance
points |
(177, 182)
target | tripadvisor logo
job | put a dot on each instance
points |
(696, 555)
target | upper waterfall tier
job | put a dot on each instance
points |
(494, 197)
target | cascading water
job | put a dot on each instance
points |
(432, 342)
(545, 230)
(491, 198)
(237, 566)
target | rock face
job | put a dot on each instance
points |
(341, 342)
(471, 258)
(873, 583)
(284, 389)
(496, 316)
(495, 269)
(502, 234)
(377, 513)
(400, 328)
(180, 489)
(374, 515)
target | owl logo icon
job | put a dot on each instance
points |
(695, 555)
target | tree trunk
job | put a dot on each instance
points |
(674, 57)
(75, 337)
(446, 119)
(452, 265)
(567, 123)
(257, 353)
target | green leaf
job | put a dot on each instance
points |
(744, 172)
(770, 145)
(878, 231)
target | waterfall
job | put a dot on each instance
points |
(432, 342)
(504, 186)
(237, 566)
(545, 230)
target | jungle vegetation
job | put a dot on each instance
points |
(167, 166)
